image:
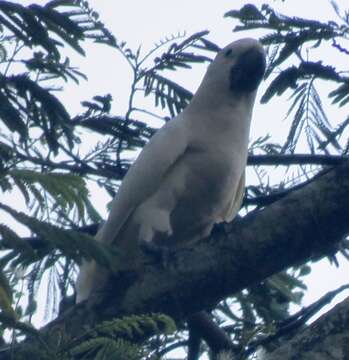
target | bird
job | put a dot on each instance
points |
(191, 174)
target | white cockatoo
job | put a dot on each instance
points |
(191, 174)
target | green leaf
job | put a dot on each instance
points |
(72, 244)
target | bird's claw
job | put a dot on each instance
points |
(161, 254)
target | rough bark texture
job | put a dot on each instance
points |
(307, 223)
(325, 339)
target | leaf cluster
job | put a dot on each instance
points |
(39, 33)
(291, 40)
(120, 338)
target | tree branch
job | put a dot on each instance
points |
(216, 338)
(326, 338)
(296, 159)
(78, 169)
(291, 325)
(307, 223)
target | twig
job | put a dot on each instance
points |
(296, 159)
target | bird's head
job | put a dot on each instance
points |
(238, 68)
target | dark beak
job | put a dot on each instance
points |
(248, 71)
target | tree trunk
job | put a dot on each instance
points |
(326, 339)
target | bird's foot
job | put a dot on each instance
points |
(160, 254)
(220, 228)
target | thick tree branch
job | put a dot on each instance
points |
(307, 223)
(288, 327)
(327, 338)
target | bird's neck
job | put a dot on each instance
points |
(225, 120)
(221, 110)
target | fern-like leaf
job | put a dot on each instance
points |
(70, 243)
(67, 190)
(120, 337)
(167, 93)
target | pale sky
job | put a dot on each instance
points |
(145, 23)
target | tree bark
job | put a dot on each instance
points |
(326, 339)
(307, 223)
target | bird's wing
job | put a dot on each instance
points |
(145, 175)
(236, 200)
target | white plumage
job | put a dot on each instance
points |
(190, 175)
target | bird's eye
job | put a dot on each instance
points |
(228, 52)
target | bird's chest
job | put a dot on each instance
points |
(191, 197)
(206, 173)
(202, 185)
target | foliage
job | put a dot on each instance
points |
(43, 163)
(291, 40)
(116, 338)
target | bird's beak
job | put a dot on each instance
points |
(248, 71)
